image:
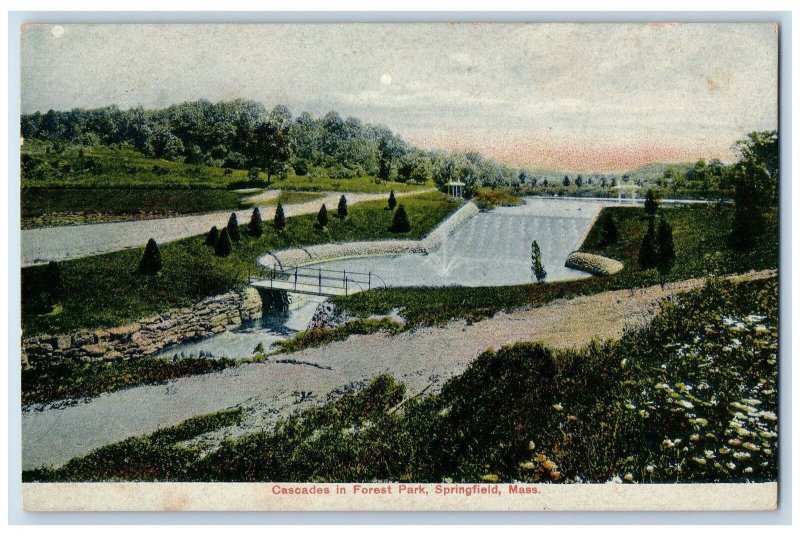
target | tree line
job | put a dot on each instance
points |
(244, 134)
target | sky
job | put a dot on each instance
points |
(583, 97)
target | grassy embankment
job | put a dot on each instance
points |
(655, 406)
(699, 231)
(105, 290)
(70, 184)
(158, 456)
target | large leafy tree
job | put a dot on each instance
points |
(755, 178)
(270, 149)
(760, 149)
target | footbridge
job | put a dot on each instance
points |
(316, 281)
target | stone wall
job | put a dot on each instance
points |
(291, 257)
(147, 336)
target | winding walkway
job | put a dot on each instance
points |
(40, 246)
(420, 358)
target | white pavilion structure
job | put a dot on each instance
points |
(455, 189)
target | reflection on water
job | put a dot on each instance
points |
(241, 342)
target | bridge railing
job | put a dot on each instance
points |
(326, 281)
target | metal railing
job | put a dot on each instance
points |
(325, 281)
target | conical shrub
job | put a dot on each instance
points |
(400, 222)
(212, 237)
(224, 246)
(255, 226)
(322, 217)
(280, 217)
(233, 228)
(150, 264)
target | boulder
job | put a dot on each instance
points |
(123, 332)
(95, 349)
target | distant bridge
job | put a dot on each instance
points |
(316, 281)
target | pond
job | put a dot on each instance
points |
(492, 248)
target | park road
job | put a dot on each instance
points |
(40, 246)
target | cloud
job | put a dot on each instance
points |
(684, 85)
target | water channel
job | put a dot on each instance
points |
(492, 248)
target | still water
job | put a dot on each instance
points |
(493, 248)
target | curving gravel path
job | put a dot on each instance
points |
(40, 246)
(422, 358)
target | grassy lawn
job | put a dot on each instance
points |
(76, 166)
(60, 206)
(698, 231)
(101, 166)
(77, 184)
(356, 184)
(104, 290)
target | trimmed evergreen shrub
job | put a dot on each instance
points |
(255, 223)
(666, 249)
(400, 222)
(341, 211)
(536, 263)
(280, 218)
(609, 230)
(150, 264)
(322, 217)
(212, 237)
(233, 228)
(224, 246)
(648, 256)
(650, 203)
(392, 200)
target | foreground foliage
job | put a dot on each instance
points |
(691, 397)
(77, 380)
(159, 456)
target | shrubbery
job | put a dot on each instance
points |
(655, 406)
(255, 225)
(233, 228)
(223, 247)
(400, 223)
(593, 264)
(212, 237)
(322, 217)
(150, 264)
(280, 217)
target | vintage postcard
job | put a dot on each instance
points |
(399, 266)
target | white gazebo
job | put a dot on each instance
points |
(455, 189)
(629, 189)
